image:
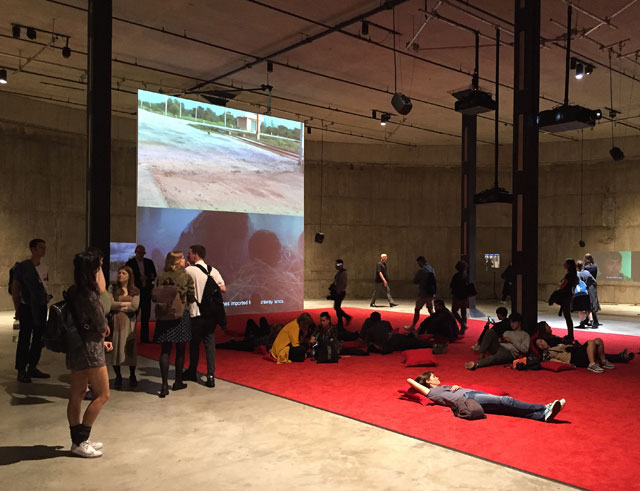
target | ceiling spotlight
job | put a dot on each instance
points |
(66, 51)
(588, 69)
(31, 33)
(582, 68)
(374, 114)
(15, 31)
(269, 66)
(308, 130)
(384, 117)
(579, 70)
(365, 28)
(3, 76)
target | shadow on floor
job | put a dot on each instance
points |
(34, 393)
(13, 455)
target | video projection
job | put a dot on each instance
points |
(232, 181)
(618, 265)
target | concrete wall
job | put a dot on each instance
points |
(367, 199)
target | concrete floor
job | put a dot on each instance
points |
(230, 437)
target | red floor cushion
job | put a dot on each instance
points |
(418, 357)
(556, 366)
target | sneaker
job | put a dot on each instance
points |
(85, 450)
(553, 409)
(595, 368)
(95, 445)
(475, 347)
(607, 364)
(471, 365)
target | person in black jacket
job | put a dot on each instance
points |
(340, 282)
(144, 277)
(592, 267)
(460, 295)
(425, 278)
(441, 324)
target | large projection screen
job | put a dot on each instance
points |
(232, 181)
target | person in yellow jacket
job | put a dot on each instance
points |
(291, 344)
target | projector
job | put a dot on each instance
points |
(493, 195)
(473, 102)
(566, 118)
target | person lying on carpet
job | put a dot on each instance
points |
(441, 324)
(254, 335)
(449, 395)
(379, 337)
(584, 355)
(496, 350)
(499, 327)
(293, 340)
(545, 332)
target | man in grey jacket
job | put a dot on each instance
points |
(499, 351)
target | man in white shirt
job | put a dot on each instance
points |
(202, 328)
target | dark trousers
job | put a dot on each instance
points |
(145, 313)
(460, 305)
(202, 330)
(29, 338)
(498, 354)
(337, 306)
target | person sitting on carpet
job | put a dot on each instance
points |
(441, 324)
(254, 336)
(449, 395)
(499, 327)
(379, 337)
(293, 341)
(497, 351)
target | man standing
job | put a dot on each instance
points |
(202, 327)
(425, 278)
(144, 276)
(30, 298)
(498, 351)
(382, 279)
(340, 280)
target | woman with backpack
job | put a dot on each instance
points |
(125, 300)
(87, 361)
(581, 299)
(173, 324)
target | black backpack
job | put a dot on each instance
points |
(211, 305)
(61, 334)
(12, 272)
(327, 350)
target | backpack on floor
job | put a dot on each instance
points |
(169, 305)
(211, 305)
(327, 351)
(61, 333)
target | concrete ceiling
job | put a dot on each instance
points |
(335, 81)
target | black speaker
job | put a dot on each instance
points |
(319, 238)
(616, 154)
(401, 103)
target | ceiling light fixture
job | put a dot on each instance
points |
(365, 28)
(582, 68)
(384, 117)
(579, 71)
(31, 33)
(3, 76)
(15, 31)
(66, 51)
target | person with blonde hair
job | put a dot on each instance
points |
(125, 300)
(170, 330)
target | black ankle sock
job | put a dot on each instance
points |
(116, 368)
(79, 433)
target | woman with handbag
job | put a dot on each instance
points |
(174, 328)
(125, 300)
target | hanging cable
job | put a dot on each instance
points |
(395, 68)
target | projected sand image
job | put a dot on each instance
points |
(191, 163)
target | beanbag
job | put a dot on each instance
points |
(556, 366)
(418, 357)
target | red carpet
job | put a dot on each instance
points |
(592, 445)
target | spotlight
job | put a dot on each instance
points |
(66, 51)
(308, 130)
(384, 117)
(582, 68)
(579, 71)
(588, 69)
(3, 76)
(269, 66)
(31, 33)
(365, 28)
(374, 114)
(616, 154)
(15, 31)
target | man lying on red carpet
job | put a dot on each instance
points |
(453, 396)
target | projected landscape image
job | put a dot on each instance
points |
(199, 156)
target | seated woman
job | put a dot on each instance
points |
(575, 354)
(448, 395)
(292, 342)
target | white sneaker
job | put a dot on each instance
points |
(85, 450)
(95, 445)
(475, 347)
(553, 409)
(595, 368)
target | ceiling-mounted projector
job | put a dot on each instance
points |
(566, 118)
(473, 101)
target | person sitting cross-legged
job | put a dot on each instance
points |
(449, 395)
(496, 350)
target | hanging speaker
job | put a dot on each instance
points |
(616, 154)
(319, 238)
(401, 103)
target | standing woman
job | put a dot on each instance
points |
(567, 287)
(87, 359)
(592, 267)
(125, 300)
(460, 295)
(176, 331)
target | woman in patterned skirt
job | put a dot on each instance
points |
(176, 331)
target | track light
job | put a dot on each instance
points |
(308, 130)
(582, 68)
(15, 31)
(3, 76)
(31, 33)
(384, 117)
(374, 114)
(269, 66)
(365, 28)
(579, 71)
(66, 51)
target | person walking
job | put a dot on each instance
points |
(425, 278)
(340, 281)
(460, 295)
(382, 279)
